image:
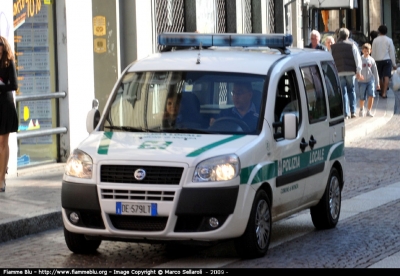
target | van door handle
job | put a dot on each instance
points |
(312, 142)
(303, 145)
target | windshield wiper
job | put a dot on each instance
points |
(156, 130)
(188, 130)
(131, 129)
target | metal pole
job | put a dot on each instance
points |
(35, 97)
(42, 132)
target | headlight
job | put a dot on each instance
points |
(221, 168)
(79, 164)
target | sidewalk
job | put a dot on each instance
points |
(383, 109)
(32, 201)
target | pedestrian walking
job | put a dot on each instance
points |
(315, 38)
(366, 87)
(329, 40)
(8, 112)
(348, 62)
(385, 58)
(373, 35)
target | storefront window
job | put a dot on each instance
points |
(35, 59)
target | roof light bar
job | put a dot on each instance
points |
(239, 40)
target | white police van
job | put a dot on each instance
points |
(207, 177)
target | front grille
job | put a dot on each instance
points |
(154, 175)
(137, 223)
(138, 195)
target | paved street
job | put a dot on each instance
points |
(360, 240)
(373, 162)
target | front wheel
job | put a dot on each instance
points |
(254, 242)
(325, 215)
(77, 243)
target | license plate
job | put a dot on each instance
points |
(137, 209)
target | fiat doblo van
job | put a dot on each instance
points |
(216, 137)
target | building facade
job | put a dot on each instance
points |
(70, 52)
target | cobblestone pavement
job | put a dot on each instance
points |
(357, 242)
(374, 162)
(360, 241)
(48, 250)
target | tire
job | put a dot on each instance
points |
(254, 242)
(77, 243)
(326, 214)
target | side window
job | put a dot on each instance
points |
(315, 94)
(335, 99)
(287, 100)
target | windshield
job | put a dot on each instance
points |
(189, 102)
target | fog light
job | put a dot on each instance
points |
(213, 222)
(74, 218)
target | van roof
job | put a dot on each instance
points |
(250, 60)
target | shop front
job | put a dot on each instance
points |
(53, 45)
(329, 16)
(34, 46)
(359, 16)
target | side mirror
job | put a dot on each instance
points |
(93, 117)
(290, 126)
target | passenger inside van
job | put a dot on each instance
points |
(171, 110)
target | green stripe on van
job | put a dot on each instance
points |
(337, 152)
(213, 145)
(245, 174)
(105, 143)
(292, 164)
(267, 172)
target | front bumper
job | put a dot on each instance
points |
(183, 213)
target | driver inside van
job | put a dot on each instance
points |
(244, 108)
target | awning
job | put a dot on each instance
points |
(333, 4)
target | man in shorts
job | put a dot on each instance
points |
(384, 55)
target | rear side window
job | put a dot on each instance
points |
(334, 93)
(315, 94)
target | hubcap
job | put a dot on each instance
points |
(334, 197)
(262, 224)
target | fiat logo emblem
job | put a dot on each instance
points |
(139, 174)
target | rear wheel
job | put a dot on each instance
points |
(255, 240)
(77, 243)
(325, 215)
